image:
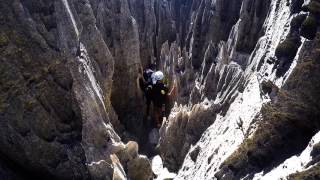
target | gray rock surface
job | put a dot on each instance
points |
(182, 131)
(56, 84)
(137, 166)
(41, 122)
(69, 81)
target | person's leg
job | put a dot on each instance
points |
(142, 84)
(146, 118)
(148, 106)
(158, 116)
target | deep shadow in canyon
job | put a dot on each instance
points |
(246, 74)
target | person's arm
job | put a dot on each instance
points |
(141, 82)
(173, 89)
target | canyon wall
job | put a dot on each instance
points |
(58, 76)
(247, 100)
(246, 75)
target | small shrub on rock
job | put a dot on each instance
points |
(285, 52)
(309, 27)
(313, 6)
(3, 40)
(316, 150)
(297, 21)
(288, 48)
(312, 173)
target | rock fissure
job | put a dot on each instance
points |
(245, 104)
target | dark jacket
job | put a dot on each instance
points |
(159, 94)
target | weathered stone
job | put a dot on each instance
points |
(182, 131)
(140, 168)
(69, 71)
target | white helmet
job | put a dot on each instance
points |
(157, 76)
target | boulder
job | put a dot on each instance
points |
(140, 169)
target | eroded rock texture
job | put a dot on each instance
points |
(69, 89)
(41, 123)
(218, 62)
(56, 85)
(258, 62)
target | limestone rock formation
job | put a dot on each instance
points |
(245, 132)
(183, 129)
(41, 122)
(56, 85)
(137, 166)
(246, 102)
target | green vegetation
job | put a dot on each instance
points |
(316, 150)
(309, 27)
(29, 104)
(18, 39)
(288, 48)
(310, 174)
(3, 39)
(297, 21)
(267, 87)
(3, 103)
(285, 52)
(313, 7)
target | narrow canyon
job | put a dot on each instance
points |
(246, 75)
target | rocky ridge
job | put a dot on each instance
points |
(69, 91)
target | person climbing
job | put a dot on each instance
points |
(146, 85)
(155, 89)
(160, 95)
(147, 73)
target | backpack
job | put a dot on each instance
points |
(147, 73)
(159, 94)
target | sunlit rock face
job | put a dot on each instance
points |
(248, 84)
(120, 31)
(41, 121)
(56, 85)
(246, 74)
(219, 77)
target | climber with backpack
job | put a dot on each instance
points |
(155, 88)
(160, 95)
(146, 86)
